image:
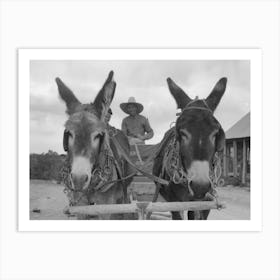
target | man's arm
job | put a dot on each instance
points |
(124, 127)
(149, 131)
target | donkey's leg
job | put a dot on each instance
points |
(198, 215)
(191, 215)
(168, 195)
(176, 216)
(204, 214)
(155, 197)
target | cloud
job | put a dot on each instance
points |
(145, 80)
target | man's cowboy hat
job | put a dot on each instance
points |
(131, 100)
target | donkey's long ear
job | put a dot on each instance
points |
(68, 97)
(105, 96)
(216, 94)
(181, 98)
(220, 140)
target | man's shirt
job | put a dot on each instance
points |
(132, 126)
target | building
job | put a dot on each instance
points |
(237, 150)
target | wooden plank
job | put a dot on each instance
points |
(164, 214)
(244, 161)
(183, 206)
(159, 217)
(150, 207)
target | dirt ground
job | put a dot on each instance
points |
(47, 201)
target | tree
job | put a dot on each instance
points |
(46, 166)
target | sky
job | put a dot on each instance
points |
(145, 80)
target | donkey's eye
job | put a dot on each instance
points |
(97, 136)
(70, 139)
(185, 135)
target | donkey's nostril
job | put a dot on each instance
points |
(79, 181)
(200, 189)
(84, 178)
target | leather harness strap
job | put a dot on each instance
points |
(105, 185)
(146, 174)
(188, 106)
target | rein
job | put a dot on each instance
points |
(146, 174)
(102, 176)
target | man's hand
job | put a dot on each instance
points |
(141, 137)
(133, 140)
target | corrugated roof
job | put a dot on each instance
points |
(241, 129)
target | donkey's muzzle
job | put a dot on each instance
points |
(80, 182)
(200, 189)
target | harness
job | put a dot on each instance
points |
(206, 108)
(109, 170)
(104, 175)
(172, 165)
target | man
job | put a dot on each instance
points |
(136, 127)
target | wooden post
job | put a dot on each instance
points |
(225, 171)
(244, 161)
(142, 206)
(234, 158)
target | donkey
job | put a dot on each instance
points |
(91, 155)
(197, 138)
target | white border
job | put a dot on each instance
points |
(24, 57)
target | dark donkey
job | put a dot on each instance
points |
(189, 150)
(94, 170)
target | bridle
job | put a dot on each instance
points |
(105, 172)
(172, 161)
(189, 106)
(101, 179)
